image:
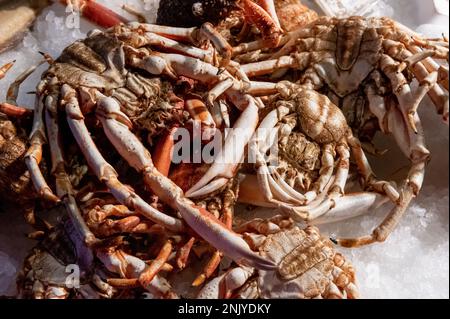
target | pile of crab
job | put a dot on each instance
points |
(118, 214)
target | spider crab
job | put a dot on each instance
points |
(62, 266)
(366, 66)
(95, 78)
(307, 265)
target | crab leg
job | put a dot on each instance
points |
(309, 213)
(269, 6)
(183, 253)
(366, 171)
(258, 146)
(106, 172)
(222, 287)
(63, 185)
(5, 68)
(209, 269)
(200, 220)
(214, 261)
(199, 112)
(96, 13)
(256, 15)
(34, 154)
(351, 205)
(193, 35)
(413, 185)
(153, 39)
(150, 272)
(421, 72)
(13, 90)
(130, 268)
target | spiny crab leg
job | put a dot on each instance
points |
(37, 137)
(63, 185)
(146, 277)
(130, 268)
(199, 219)
(153, 39)
(14, 110)
(106, 172)
(232, 153)
(227, 219)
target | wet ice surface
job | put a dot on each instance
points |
(412, 263)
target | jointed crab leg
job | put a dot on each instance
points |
(106, 172)
(351, 205)
(421, 71)
(200, 220)
(34, 154)
(193, 35)
(5, 68)
(63, 184)
(418, 154)
(148, 274)
(96, 13)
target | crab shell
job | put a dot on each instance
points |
(308, 267)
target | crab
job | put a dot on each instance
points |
(312, 131)
(307, 266)
(367, 67)
(62, 266)
(94, 79)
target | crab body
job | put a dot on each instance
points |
(307, 266)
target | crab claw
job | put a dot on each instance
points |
(223, 239)
(225, 165)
